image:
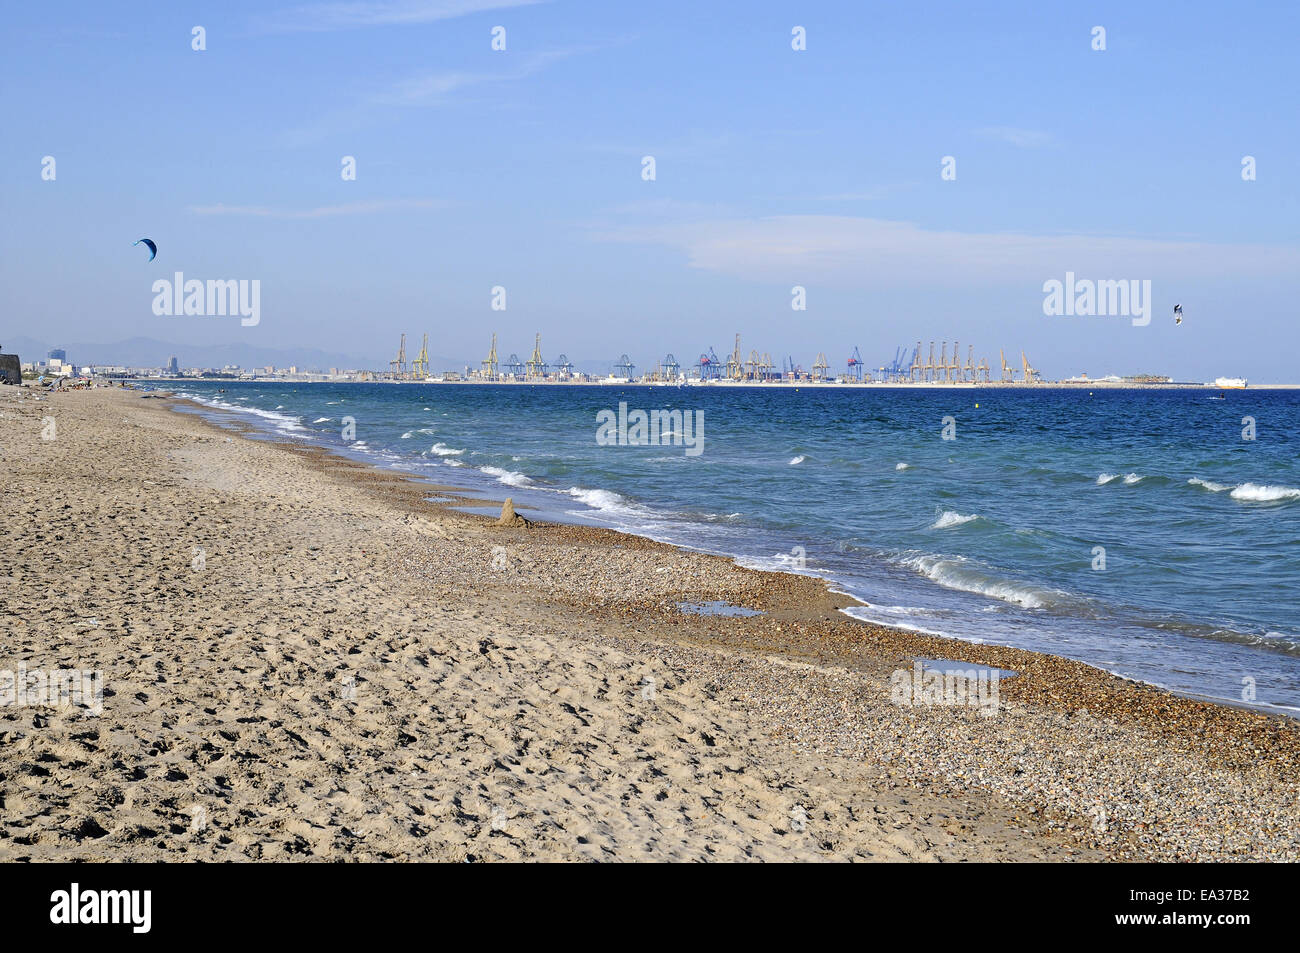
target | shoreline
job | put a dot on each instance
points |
(557, 645)
(462, 499)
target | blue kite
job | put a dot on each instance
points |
(153, 249)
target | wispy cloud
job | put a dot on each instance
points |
(852, 251)
(1021, 138)
(421, 89)
(426, 88)
(321, 211)
(323, 17)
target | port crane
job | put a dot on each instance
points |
(734, 367)
(709, 365)
(420, 370)
(536, 366)
(1031, 376)
(489, 364)
(855, 365)
(820, 366)
(624, 367)
(397, 366)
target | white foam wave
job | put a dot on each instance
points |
(1261, 493)
(599, 499)
(1209, 485)
(952, 518)
(902, 466)
(797, 460)
(442, 450)
(954, 572)
(508, 477)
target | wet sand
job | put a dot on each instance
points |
(304, 660)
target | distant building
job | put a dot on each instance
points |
(173, 366)
(57, 354)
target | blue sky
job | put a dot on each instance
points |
(775, 168)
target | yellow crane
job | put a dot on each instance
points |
(820, 366)
(420, 370)
(1008, 375)
(490, 364)
(735, 369)
(536, 366)
(397, 366)
(1031, 376)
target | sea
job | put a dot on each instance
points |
(1153, 533)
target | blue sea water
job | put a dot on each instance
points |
(991, 536)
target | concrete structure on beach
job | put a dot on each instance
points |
(11, 369)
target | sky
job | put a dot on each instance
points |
(523, 169)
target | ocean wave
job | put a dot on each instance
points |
(282, 422)
(442, 450)
(508, 477)
(1209, 485)
(955, 572)
(1129, 478)
(902, 466)
(1261, 493)
(606, 500)
(797, 460)
(950, 518)
(322, 420)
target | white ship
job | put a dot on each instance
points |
(1230, 382)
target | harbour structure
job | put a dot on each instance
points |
(1031, 375)
(397, 366)
(820, 366)
(490, 367)
(536, 369)
(943, 367)
(623, 367)
(855, 362)
(734, 368)
(420, 369)
(710, 366)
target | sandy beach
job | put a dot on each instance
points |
(302, 659)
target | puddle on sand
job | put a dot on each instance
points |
(716, 607)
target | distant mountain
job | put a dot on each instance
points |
(148, 352)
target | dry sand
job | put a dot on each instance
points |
(303, 660)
